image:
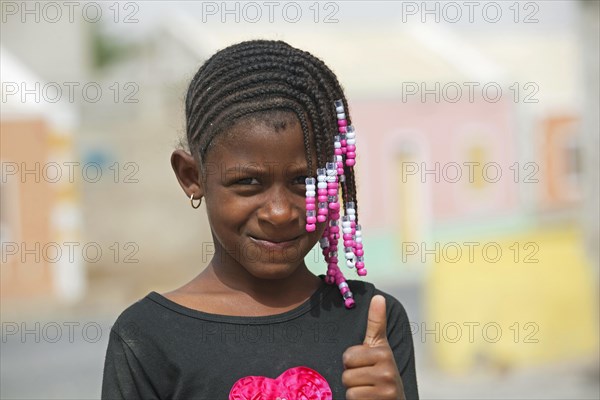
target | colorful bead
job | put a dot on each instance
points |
(310, 204)
(323, 204)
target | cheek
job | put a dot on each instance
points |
(225, 209)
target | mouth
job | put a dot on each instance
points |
(275, 243)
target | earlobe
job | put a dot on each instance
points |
(187, 172)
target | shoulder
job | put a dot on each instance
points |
(141, 316)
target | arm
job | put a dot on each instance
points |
(401, 342)
(124, 376)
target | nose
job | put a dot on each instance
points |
(280, 208)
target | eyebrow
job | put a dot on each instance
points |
(291, 168)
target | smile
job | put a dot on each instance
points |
(272, 244)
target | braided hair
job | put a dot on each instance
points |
(256, 78)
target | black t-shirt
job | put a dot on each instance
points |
(159, 349)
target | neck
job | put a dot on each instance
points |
(225, 274)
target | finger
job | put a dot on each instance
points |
(364, 376)
(363, 356)
(360, 393)
(376, 322)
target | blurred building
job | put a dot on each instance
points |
(41, 209)
(438, 175)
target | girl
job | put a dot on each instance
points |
(270, 147)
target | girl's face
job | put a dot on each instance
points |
(254, 191)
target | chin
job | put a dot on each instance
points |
(272, 271)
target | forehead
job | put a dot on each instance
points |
(270, 139)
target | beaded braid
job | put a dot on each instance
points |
(260, 76)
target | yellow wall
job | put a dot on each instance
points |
(551, 297)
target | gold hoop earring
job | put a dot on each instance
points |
(192, 201)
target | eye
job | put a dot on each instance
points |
(301, 180)
(247, 181)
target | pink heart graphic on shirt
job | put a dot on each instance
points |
(298, 383)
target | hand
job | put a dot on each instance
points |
(370, 368)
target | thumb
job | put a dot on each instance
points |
(376, 323)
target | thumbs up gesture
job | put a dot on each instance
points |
(370, 368)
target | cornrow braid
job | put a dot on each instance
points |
(259, 76)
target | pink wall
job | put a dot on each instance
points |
(440, 133)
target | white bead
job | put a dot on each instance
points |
(311, 193)
(346, 224)
(350, 141)
(351, 211)
(349, 256)
(341, 115)
(350, 135)
(321, 178)
(310, 187)
(349, 263)
(337, 145)
(339, 109)
(358, 239)
(338, 158)
(322, 185)
(352, 217)
(347, 230)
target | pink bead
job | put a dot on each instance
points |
(330, 280)
(323, 198)
(359, 245)
(352, 224)
(311, 206)
(334, 229)
(351, 147)
(347, 236)
(334, 215)
(344, 290)
(359, 252)
(349, 302)
(311, 220)
(333, 259)
(348, 243)
(334, 206)
(350, 154)
(360, 264)
(332, 185)
(342, 122)
(310, 200)
(340, 171)
(310, 227)
(342, 129)
(337, 152)
(343, 150)
(350, 162)
(343, 142)
(332, 192)
(361, 272)
(321, 218)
